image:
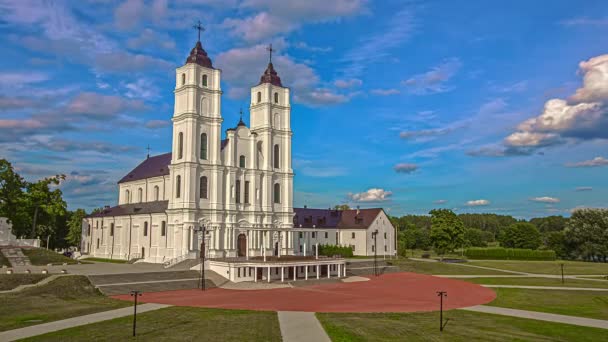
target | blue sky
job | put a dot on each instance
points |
(476, 106)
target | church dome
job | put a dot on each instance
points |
(198, 55)
(271, 76)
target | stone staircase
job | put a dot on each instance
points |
(15, 256)
(114, 284)
(366, 267)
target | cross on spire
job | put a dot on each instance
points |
(199, 28)
(241, 113)
(148, 148)
(270, 49)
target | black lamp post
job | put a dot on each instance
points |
(441, 294)
(202, 231)
(375, 235)
(135, 294)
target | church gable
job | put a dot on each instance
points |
(151, 167)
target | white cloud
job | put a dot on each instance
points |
(595, 162)
(434, 80)
(405, 168)
(141, 89)
(153, 124)
(258, 27)
(585, 21)
(545, 199)
(149, 38)
(441, 201)
(348, 83)
(583, 188)
(305, 46)
(477, 203)
(371, 195)
(385, 92)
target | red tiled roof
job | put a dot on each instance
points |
(329, 218)
(198, 55)
(271, 76)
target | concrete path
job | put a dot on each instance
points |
(25, 286)
(565, 288)
(301, 327)
(541, 316)
(34, 330)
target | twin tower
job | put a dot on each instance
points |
(243, 181)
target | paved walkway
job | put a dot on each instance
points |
(541, 316)
(565, 288)
(34, 330)
(301, 327)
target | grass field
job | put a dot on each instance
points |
(546, 267)
(113, 261)
(11, 281)
(573, 303)
(540, 282)
(42, 257)
(179, 324)
(63, 297)
(426, 267)
(462, 326)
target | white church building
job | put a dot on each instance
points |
(237, 190)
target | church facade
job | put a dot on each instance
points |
(232, 196)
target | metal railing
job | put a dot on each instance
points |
(176, 260)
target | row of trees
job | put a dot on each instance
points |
(582, 236)
(37, 209)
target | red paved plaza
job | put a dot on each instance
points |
(395, 292)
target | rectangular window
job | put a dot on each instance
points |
(98, 243)
(385, 249)
(353, 235)
(111, 229)
(353, 247)
(145, 228)
(247, 192)
(314, 235)
(326, 235)
(373, 249)
(300, 248)
(163, 228)
(300, 234)
(385, 235)
(238, 191)
(239, 272)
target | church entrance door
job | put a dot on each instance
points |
(242, 245)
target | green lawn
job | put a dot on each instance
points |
(42, 257)
(11, 281)
(540, 282)
(462, 326)
(179, 324)
(4, 260)
(63, 297)
(114, 261)
(426, 267)
(546, 267)
(588, 304)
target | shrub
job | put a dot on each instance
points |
(331, 250)
(499, 253)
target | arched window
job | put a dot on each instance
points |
(277, 193)
(156, 192)
(259, 97)
(180, 145)
(203, 187)
(127, 195)
(183, 79)
(204, 80)
(238, 191)
(178, 186)
(276, 157)
(242, 161)
(276, 97)
(204, 146)
(140, 195)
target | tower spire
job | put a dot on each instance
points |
(199, 28)
(269, 49)
(198, 55)
(241, 123)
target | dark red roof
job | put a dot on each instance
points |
(133, 209)
(198, 55)
(271, 76)
(329, 218)
(151, 167)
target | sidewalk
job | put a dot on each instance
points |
(34, 330)
(541, 316)
(565, 288)
(301, 327)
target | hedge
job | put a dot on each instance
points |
(499, 253)
(331, 250)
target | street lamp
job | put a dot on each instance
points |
(375, 236)
(441, 294)
(135, 294)
(201, 231)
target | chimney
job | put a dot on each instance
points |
(358, 210)
(305, 206)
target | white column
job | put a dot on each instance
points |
(269, 274)
(318, 271)
(304, 248)
(306, 272)
(282, 273)
(295, 273)
(339, 273)
(317, 251)
(247, 246)
(344, 269)
(255, 274)
(279, 244)
(328, 272)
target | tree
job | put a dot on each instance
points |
(12, 197)
(75, 227)
(550, 223)
(521, 235)
(341, 207)
(587, 232)
(447, 230)
(44, 203)
(556, 241)
(476, 237)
